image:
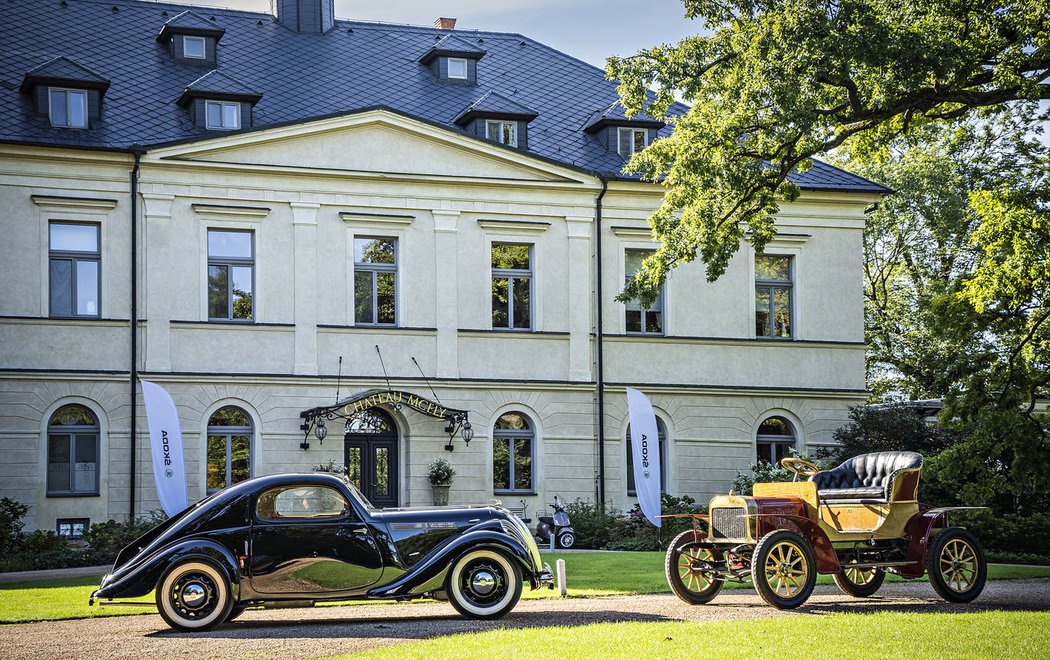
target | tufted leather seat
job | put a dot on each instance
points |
(865, 477)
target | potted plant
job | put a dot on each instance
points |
(440, 475)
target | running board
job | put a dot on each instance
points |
(121, 603)
(879, 564)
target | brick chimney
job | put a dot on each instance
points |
(445, 23)
(305, 15)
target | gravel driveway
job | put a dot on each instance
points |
(323, 631)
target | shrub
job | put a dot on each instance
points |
(441, 473)
(330, 467)
(766, 472)
(11, 514)
(1008, 533)
(105, 539)
(640, 533)
(594, 528)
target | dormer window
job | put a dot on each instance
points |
(67, 108)
(454, 59)
(497, 118)
(194, 48)
(218, 102)
(191, 38)
(621, 134)
(631, 140)
(67, 93)
(457, 68)
(222, 115)
(504, 132)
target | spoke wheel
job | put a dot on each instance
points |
(194, 596)
(783, 569)
(956, 565)
(484, 584)
(859, 582)
(686, 568)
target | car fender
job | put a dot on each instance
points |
(429, 574)
(141, 575)
(920, 530)
(823, 550)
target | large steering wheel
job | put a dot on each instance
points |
(800, 467)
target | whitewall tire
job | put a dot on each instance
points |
(194, 596)
(484, 584)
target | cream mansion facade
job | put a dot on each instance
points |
(281, 262)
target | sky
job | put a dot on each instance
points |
(590, 30)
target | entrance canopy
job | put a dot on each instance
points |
(314, 419)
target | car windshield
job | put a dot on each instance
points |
(356, 492)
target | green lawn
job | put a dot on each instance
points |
(889, 634)
(588, 574)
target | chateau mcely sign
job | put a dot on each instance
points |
(395, 398)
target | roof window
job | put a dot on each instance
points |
(68, 93)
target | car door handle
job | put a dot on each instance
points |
(361, 531)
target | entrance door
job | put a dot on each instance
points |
(370, 453)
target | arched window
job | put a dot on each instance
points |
(513, 440)
(775, 437)
(72, 452)
(662, 432)
(229, 447)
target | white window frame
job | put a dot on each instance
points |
(633, 131)
(511, 274)
(66, 93)
(500, 124)
(222, 115)
(186, 51)
(466, 68)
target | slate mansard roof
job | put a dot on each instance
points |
(354, 65)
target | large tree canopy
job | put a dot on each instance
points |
(772, 83)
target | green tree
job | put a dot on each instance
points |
(773, 83)
(920, 245)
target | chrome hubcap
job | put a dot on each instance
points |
(483, 583)
(193, 595)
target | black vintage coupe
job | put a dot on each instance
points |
(294, 539)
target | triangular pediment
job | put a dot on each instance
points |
(375, 141)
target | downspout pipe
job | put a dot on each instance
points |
(600, 332)
(134, 381)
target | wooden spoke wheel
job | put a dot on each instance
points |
(783, 569)
(687, 569)
(956, 565)
(859, 582)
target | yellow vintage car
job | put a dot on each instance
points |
(856, 522)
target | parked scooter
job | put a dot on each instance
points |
(558, 525)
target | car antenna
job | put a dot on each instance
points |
(384, 368)
(339, 379)
(425, 379)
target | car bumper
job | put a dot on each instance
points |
(544, 578)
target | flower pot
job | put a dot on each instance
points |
(440, 494)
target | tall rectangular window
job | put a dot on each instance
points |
(67, 108)
(231, 275)
(375, 281)
(222, 115)
(75, 258)
(630, 140)
(773, 296)
(511, 286)
(642, 320)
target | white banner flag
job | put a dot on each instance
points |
(645, 448)
(165, 436)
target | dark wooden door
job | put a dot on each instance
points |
(370, 454)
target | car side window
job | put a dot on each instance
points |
(301, 502)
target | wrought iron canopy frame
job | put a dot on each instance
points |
(456, 421)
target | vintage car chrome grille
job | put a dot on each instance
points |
(729, 523)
